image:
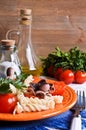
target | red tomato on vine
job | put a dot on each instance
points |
(57, 73)
(67, 76)
(80, 77)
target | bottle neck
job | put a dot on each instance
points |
(25, 23)
(25, 35)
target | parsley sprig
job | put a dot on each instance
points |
(73, 59)
(18, 83)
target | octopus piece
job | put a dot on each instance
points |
(40, 94)
(30, 91)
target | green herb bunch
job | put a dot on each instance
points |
(73, 59)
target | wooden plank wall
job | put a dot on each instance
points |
(55, 23)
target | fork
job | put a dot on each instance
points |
(79, 106)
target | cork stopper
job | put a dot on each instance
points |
(7, 45)
(25, 12)
(8, 42)
(26, 17)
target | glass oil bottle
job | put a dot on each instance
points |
(30, 63)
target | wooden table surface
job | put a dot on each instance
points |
(55, 22)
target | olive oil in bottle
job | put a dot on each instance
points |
(30, 63)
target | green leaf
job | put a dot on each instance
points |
(18, 83)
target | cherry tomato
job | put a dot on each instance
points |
(7, 103)
(67, 76)
(80, 77)
(58, 73)
(59, 88)
(50, 70)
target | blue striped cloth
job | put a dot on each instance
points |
(61, 122)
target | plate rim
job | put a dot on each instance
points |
(30, 116)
